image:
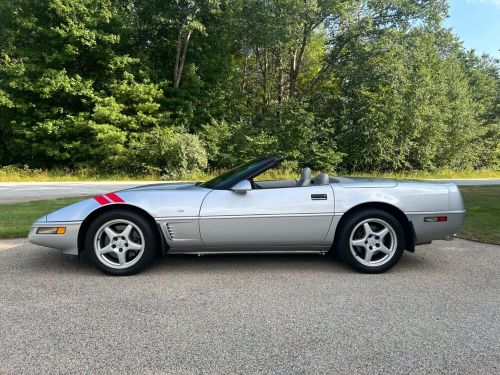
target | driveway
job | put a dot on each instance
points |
(13, 192)
(436, 312)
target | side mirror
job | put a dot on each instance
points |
(242, 187)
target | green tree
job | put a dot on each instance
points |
(356, 85)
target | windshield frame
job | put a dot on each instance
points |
(242, 172)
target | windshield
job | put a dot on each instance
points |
(233, 175)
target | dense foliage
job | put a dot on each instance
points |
(175, 85)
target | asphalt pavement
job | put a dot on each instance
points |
(473, 182)
(437, 311)
(13, 192)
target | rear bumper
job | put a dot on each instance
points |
(67, 242)
(426, 232)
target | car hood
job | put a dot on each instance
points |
(158, 200)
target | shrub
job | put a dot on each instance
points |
(168, 151)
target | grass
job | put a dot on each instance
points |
(482, 220)
(16, 218)
(15, 174)
(442, 174)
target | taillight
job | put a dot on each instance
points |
(435, 219)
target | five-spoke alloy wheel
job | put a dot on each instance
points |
(121, 242)
(373, 242)
(370, 241)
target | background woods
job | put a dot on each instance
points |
(174, 86)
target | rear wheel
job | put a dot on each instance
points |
(121, 242)
(370, 241)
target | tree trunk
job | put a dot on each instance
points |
(293, 75)
(281, 81)
(263, 66)
(296, 62)
(180, 56)
(245, 68)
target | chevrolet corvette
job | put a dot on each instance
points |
(367, 222)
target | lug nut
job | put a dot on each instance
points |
(121, 249)
(126, 245)
(113, 246)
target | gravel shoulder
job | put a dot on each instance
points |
(436, 312)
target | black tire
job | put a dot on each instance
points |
(354, 221)
(149, 242)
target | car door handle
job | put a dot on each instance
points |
(319, 197)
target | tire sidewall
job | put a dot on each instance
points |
(150, 238)
(342, 248)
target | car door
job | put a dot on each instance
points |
(296, 216)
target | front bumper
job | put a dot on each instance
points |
(67, 242)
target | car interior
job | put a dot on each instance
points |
(305, 179)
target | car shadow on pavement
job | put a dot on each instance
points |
(249, 263)
(272, 263)
(40, 260)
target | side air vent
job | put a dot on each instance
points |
(171, 231)
(181, 232)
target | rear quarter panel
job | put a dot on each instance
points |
(416, 200)
(408, 197)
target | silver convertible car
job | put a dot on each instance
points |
(367, 222)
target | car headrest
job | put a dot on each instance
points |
(321, 179)
(305, 177)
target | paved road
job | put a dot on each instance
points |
(477, 182)
(13, 192)
(438, 311)
(24, 192)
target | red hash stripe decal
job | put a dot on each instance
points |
(101, 199)
(115, 198)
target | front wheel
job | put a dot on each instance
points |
(121, 242)
(370, 241)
